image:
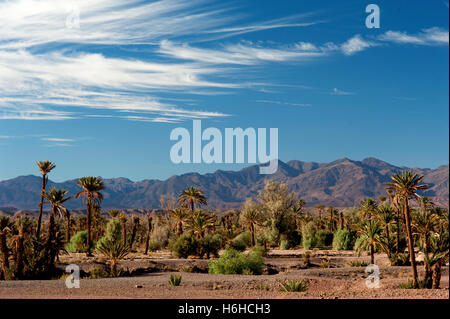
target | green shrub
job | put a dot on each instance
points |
(307, 258)
(175, 280)
(260, 250)
(294, 285)
(293, 237)
(113, 232)
(98, 273)
(235, 262)
(324, 238)
(421, 284)
(78, 243)
(184, 246)
(241, 241)
(210, 245)
(309, 238)
(344, 239)
(284, 245)
(358, 263)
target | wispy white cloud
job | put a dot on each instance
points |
(431, 36)
(241, 53)
(283, 103)
(337, 91)
(356, 44)
(57, 139)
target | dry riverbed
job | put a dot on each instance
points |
(150, 279)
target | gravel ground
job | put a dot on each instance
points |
(338, 282)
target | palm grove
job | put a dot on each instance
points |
(398, 224)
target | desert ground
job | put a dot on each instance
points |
(147, 276)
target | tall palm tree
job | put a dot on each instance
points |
(405, 185)
(370, 238)
(91, 194)
(423, 225)
(45, 167)
(250, 217)
(56, 198)
(192, 196)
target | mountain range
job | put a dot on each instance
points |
(341, 183)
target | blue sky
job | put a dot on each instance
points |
(102, 98)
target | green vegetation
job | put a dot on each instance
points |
(294, 285)
(344, 239)
(235, 262)
(396, 224)
(175, 280)
(78, 243)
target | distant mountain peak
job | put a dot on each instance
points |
(340, 183)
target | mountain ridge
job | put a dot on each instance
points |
(342, 183)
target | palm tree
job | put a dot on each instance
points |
(149, 230)
(115, 251)
(5, 226)
(424, 223)
(45, 167)
(57, 197)
(368, 208)
(91, 193)
(192, 196)
(405, 186)
(199, 223)
(370, 238)
(386, 217)
(180, 215)
(250, 217)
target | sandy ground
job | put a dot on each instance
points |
(340, 281)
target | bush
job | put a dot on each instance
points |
(421, 284)
(284, 245)
(210, 245)
(160, 237)
(98, 273)
(344, 239)
(309, 238)
(241, 241)
(294, 238)
(235, 262)
(78, 243)
(184, 246)
(294, 285)
(260, 250)
(175, 280)
(358, 263)
(324, 238)
(113, 232)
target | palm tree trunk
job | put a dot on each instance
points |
(428, 277)
(412, 255)
(41, 207)
(149, 230)
(397, 220)
(436, 275)
(133, 234)
(124, 231)
(67, 229)
(252, 234)
(5, 252)
(19, 253)
(388, 241)
(88, 220)
(372, 255)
